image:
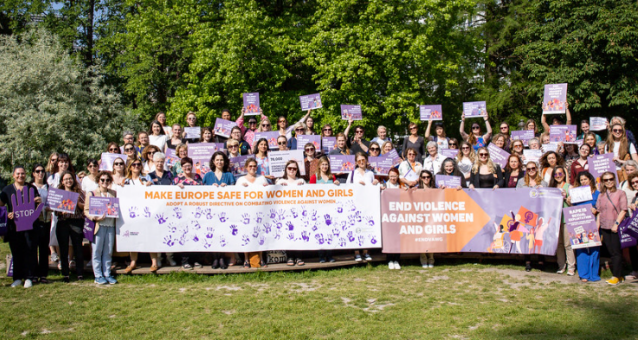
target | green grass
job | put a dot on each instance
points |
(365, 302)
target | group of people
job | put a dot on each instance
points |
(561, 166)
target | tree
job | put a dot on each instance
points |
(51, 102)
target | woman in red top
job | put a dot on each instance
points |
(580, 164)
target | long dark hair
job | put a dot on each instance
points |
(552, 182)
(38, 165)
(455, 171)
(212, 166)
(63, 156)
(592, 180)
(256, 150)
(420, 185)
(75, 187)
(150, 130)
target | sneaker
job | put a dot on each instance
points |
(101, 281)
(16, 283)
(332, 260)
(425, 265)
(570, 272)
(390, 265)
(172, 263)
(187, 266)
(28, 283)
(54, 257)
(397, 266)
(615, 281)
(111, 280)
(198, 265)
(430, 265)
(357, 258)
(368, 257)
(322, 260)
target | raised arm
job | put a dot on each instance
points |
(427, 130)
(464, 135)
(544, 123)
(488, 128)
(347, 130)
(568, 113)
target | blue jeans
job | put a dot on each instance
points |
(102, 251)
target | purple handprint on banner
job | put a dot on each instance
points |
(351, 222)
(351, 205)
(262, 240)
(177, 212)
(209, 214)
(329, 239)
(273, 214)
(132, 212)
(172, 227)
(344, 226)
(169, 241)
(294, 213)
(147, 212)
(182, 240)
(370, 221)
(160, 218)
(279, 225)
(196, 225)
(313, 216)
(222, 241)
(259, 217)
(198, 212)
(222, 217)
(195, 238)
(233, 230)
(319, 238)
(281, 214)
(357, 216)
(328, 219)
(361, 240)
(315, 227)
(266, 228)
(209, 234)
(290, 226)
(339, 207)
(373, 239)
(245, 219)
(350, 237)
(342, 242)
(335, 232)
(277, 234)
(291, 236)
(245, 240)
(305, 236)
(206, 244)
(304, 212)
(256, 232)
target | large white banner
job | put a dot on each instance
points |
(245, 219)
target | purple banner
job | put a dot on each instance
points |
(351, 112)
(449, 153)
(98, 206)
(448, 181)
(555, 98)
(431, 112)
(562, 133)
(270, 136)
(381, 165)
(223, 127)
(302, 140)
(498, 155)
(626, 232)
(107, 160)
(328, 144)
(251, 103)
(3, 221)
(310, 101)
(524, 135)
(599, 164)
(24, 210)
(581, 226)
(237, 165)
(89, 230)
(632, 225)
(474, 109)
(62, 200)
(341, 164)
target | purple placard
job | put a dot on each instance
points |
(598, 164)
(341, 164)
(237, 165)
(107, 160)
(381, 165)
(555, 98)
(328, 144)
(431, 112)
(24, 210)
(270, 136)
(10, 268)
(62, 200)
(171, 158)
(627, 238)
(223, 127)
(449, 153)
(201, 154)
(396, 159)
(310, 101)
(632, 225)
(302, 140)
(3, 221)
(98, 206)
(474, 109)
(524, 135)
(498, 155)
(251, 104)
(562, 133)
(448, 181)
(89, 229)
(351, 112)
(581, 226)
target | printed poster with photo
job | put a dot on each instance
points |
(341, 164)
(310, 102)
(431, 112)
(555, 98)
(98, 206)
(62, 200)
(328, 144)
(351, 112)
(270, 136)
(251, 104)
(223, 127)
(475, 109)
(562, 133)
(302, 140)
(237, 165)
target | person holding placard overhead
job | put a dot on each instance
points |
(414, 141)
(361, 175)
(612, 207)
(485, 173)
(588, 259)
(556, 120)
(439, 134)
(23, 244)
(410, 168)
(475, 138)
(102, 248)
(358, 143)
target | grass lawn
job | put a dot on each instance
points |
(453, 300)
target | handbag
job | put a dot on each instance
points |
(626, 240)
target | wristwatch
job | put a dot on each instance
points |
(617, 223)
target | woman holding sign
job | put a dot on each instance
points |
(62, 165)
(588, 259)
(244, 147)
(580, 164)
(71, 226)
(612, 207)
(261, 157)
(485, 174)
(410, 169)
(475, 138)
(22, 243)
(104, 231)
(361, 175)
(449, 168)
(191, 120)
(134, 176)
(290, 177)
(631, 190)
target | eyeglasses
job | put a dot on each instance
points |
(310, 149)
(453, 144)
(291, 168)
(252, 166)
(91, 166)
(152, 152)
(617, 130)
(606, 180)
(634, 182)
(559, 174)
(265, 125)
(136, 165)
(465, 148)
(114, 149)
(299, 129)
(281, 121)
(233, 146)
(518, 146)
(105, 180)
(375, 149)
(253, 122)
(281, 143)
(359, 131)
(531, 168)
(426, 177)
(327, 129)
(118, 163)
(361, 160)
(475, 127)
(191, 118)
(413, 128)
(39, 171)
(483, 154)
(129, 149)
(504, 127)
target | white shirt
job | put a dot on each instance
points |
(405, 168)
(88, 184)
(433, 165)
(259, 181)
(159, 141)
(389, 185)
(465, 166)
(356, 177)
(297, 181)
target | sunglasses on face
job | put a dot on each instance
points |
(281, 143)
(617, 130)
(425, 177)
(310, 150)
(413, 128)
(265, 125)
(634, 183)
(375, 149)
(452, 144)
(607, 180)
(518, 146)
(113, 149)
(129, 149)
(40, 171)
(300, 129)
(136, 165)
(483, 154)
(91, 166)
(233, 146)
(327, 129)
(292, 168)
(475, 127)
(118, 163)
(281, 121)
(531, 169)
(359, 131)
(503, 127)
(559, 174)
(251, 123)
(361, 160)
(465, 148)
(252, 166)
(105, 180)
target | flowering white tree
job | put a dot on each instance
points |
(49, 103)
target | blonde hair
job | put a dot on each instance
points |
(471, 156)
(383, 146)
(179, 147)
(264, 119)
(477, 164)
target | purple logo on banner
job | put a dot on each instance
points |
(3, 221)
(24, 209)
(89, 229)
